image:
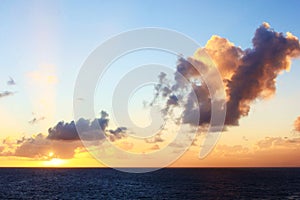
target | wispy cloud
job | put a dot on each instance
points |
(36, 120)
(6, 94)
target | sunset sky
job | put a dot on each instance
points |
(45, 43)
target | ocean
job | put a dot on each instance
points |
(169, 183)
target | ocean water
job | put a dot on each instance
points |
(184, 183)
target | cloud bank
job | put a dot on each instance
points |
(63, 139)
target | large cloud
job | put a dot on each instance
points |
(248, 74)
(255, 76)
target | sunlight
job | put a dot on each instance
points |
(51, 154)
(54, 162)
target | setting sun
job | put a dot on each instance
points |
(51, 154)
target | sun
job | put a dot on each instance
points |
(51, 154)
(53, 161)
(56, 161)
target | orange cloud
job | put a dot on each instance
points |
(268, 152)
(297, 124)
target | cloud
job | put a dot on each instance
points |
(156, 139)
(126, 145)
(216, 48)
(256, 75)
(11, 81)
(226, 150)
(248, 74)
(267, 152)
(6, 93)
(245, 138)
(279, 142)
(68, 131)
(176, 145)
(39, 146)
(118, 130)
(297, 124)
(89, 130)
(63, 139)
(155, 147)
(36, 120)
(116, 134)
(263, 145)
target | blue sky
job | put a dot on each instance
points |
(55, 38)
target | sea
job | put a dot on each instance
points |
(168, 183)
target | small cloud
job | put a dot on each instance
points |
(89, 130)
(155, 147)
(11, 81)
(155, 139)
(297, 124)
(6, 93)
(118, 130)
(36, 120)
(279, 142)
(176, 145)
(126, 145)
(116, 134)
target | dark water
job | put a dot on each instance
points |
(228, 183)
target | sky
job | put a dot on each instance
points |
(45, 43)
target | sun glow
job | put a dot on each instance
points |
(50, 154)
(54, 162)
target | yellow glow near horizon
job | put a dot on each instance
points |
(54, 162)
